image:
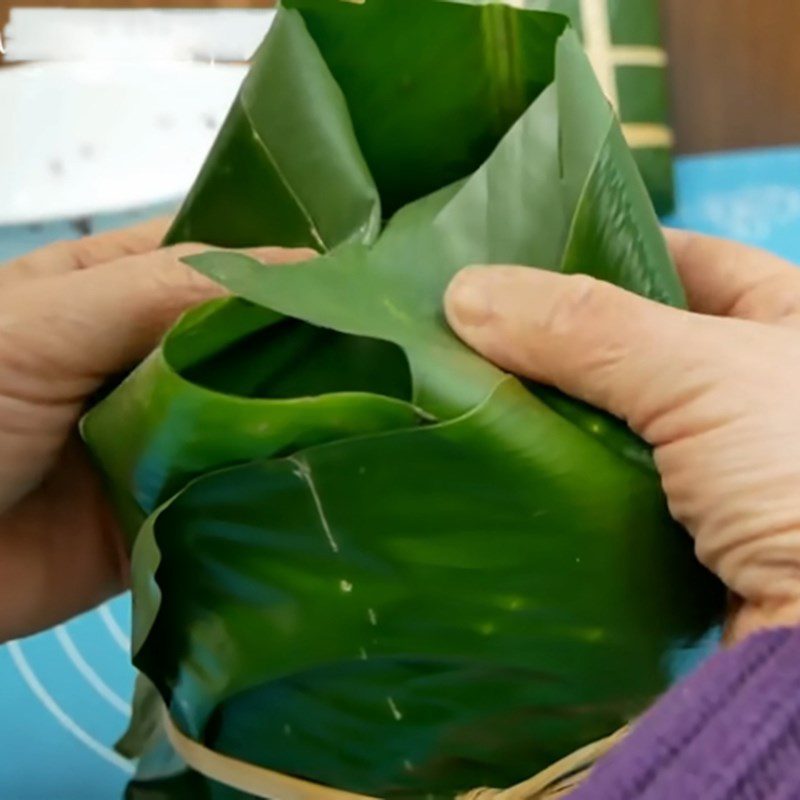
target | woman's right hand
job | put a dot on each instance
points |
(716, 391)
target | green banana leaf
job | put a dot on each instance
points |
(639, 78)
(363, 555)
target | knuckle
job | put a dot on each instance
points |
(584, 329)
(582, 301)
(773, 300)
(81, 253)
(178, 282)
(133, 241)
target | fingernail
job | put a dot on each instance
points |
(469, 297)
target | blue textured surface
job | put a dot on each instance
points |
(64, 694)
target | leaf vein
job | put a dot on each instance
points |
(312, 225)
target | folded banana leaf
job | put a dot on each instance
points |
(623, 40)
(363, 555)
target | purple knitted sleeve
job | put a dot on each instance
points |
(731, 731)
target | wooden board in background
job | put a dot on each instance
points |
(735, 72)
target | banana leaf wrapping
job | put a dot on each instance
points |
(363, 555)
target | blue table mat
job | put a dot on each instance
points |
(64, 694)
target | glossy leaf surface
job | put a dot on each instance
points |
(372, 559)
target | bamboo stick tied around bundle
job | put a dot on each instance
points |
(553, 783)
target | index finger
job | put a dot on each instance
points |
(90, 251)
(728, 279)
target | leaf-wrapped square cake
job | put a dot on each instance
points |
(365, 557)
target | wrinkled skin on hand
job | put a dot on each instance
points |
(73, 315)
(714, 390)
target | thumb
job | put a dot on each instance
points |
(594, 341)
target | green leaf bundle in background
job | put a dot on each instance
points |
(623, 40)
(371, 559)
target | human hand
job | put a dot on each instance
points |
(716, 392)
(71, 316)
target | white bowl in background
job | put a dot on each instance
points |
(82, 138)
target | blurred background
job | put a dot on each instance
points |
(141, 92)
(734, 66)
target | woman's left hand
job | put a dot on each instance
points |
(71, 316)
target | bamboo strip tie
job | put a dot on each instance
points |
(554, 782)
